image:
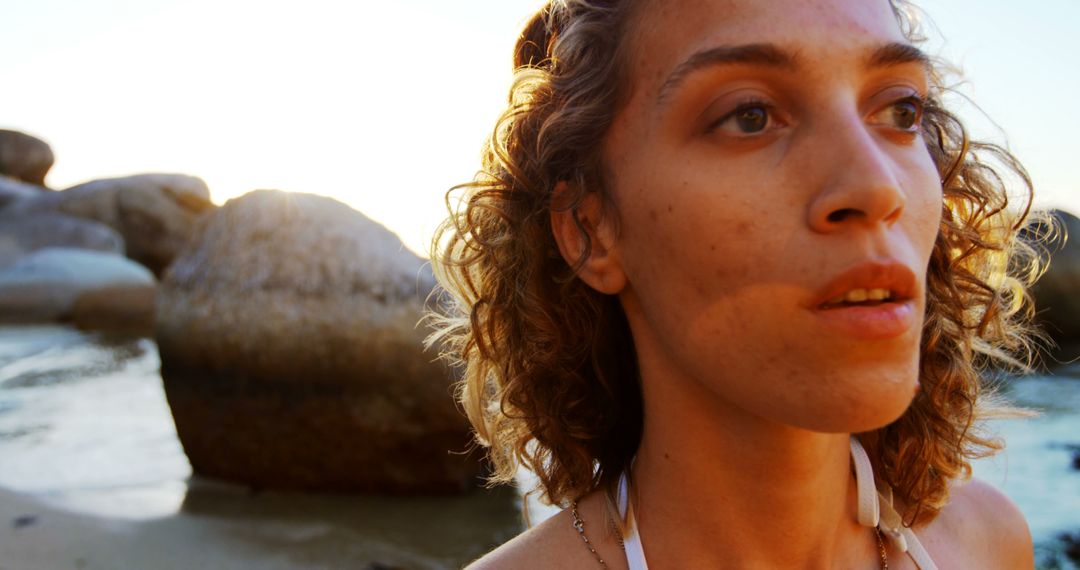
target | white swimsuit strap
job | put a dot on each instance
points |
(635, 554)
(869, 511)
(875, 508)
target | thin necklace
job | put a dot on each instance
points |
(881, 549)
(579, 526)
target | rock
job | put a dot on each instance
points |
(1057, 293)
(1071, 544)
(24, 521)
(292, 357)
(154, 213)
(12, 190)
(24, 157)
(121, 308)
(1075, 450)
(43, 286)
(25, 235)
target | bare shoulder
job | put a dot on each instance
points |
(982, 528)
(555, 543)
(537, 547)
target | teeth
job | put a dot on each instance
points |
(877, 294)
(862, 295)
(855, 296)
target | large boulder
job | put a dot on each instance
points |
(1057, 293)
(24, 157)
(125, 309)
(292, 357)
(20, 236)
(12, 190)
(44, 286)
(154, 213)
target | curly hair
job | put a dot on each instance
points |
(550, 378)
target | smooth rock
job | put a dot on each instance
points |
(121, 308)
(43, 286)
(154, 213)
(24, 157)
(12, 190)
(292, 357)
(1057, 293)
(21, 236)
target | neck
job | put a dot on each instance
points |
(716, 487)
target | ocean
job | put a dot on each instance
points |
(86, 437)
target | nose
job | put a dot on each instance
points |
(859, 183)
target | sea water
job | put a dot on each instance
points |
(85, 429)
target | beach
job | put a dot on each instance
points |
(92, 476)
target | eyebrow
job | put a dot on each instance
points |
(764, 55)
(772, 56)
(896, 53)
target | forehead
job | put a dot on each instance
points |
(666, 32)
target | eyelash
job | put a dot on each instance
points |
(920, 108)
(749, 103)
(757, 103)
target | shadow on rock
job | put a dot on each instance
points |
(292, 356)
(1057, 293)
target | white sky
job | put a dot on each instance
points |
(385, 105)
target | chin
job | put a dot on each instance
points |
(862, 410)
(876, 417)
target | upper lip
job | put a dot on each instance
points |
(898, 278)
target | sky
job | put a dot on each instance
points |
(386, 105)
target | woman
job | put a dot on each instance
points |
(722, 252)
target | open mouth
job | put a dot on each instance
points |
(870, 301)
(863, 298)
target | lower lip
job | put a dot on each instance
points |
(884, 321)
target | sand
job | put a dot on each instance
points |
(226, 527)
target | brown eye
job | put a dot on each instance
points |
(752, 119)
(903, 115)
(906, 115)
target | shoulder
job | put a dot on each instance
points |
(545, 545)
(555, 543)
(981, 524)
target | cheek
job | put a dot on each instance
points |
(925, 200)
(692, 239)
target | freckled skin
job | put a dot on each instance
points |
(744, 458)
(714, 287)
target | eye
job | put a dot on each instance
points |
(904, 114)
(749, 118)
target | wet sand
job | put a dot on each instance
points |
(222, 527)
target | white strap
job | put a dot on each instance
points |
(892, 525)
(875, 508)
(635, 553)
(869, 514)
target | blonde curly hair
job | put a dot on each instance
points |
(550, 378)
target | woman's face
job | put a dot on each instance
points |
(767, 164)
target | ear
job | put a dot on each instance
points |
(602, 269)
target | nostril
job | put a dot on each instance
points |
(841, 215)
